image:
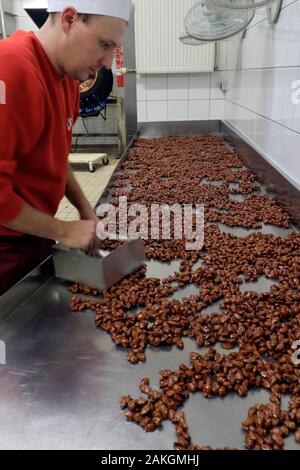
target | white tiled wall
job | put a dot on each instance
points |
(178, 97)
(259, 72)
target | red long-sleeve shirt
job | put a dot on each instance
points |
(38, 108)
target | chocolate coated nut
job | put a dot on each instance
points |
(262, 327)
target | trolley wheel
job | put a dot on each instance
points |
(91, 167)
(105, 161)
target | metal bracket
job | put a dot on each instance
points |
(273, 11)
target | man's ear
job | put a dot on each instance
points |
(68, 18)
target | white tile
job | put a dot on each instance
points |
(217, 108)
(199, 86)
(268, 45)
(267, 92)
(142, 111)
(198, 110)
(178, 87)
(279, 145)
(156, 87)
(296, 103)
(261, 13)
(157, 111)
(178, 110)
(141, 88)
(216, 79)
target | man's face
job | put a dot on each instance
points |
(88, 47)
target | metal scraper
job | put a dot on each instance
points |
(98, 272)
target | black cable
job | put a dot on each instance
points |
(104, 117)
(74, 150)
(76, 144)
(87, 131)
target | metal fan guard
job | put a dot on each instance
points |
(240, 4)
(225, 24)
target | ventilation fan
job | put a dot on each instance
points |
(216, 20)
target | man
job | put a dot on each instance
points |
(41, 73)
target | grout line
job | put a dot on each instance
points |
(266, 18)
(167, 97)
(265, 117)
(283, 67)
(209, 94)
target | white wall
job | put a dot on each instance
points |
(178, 97)
(259, 72)
(9, 18)
(22, 19)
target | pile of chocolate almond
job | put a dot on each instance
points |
(263, 327)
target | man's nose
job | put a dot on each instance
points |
(107, 60)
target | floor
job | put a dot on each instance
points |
(92, 184)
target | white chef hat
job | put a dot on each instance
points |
(116, 8)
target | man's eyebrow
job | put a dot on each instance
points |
(110, 42)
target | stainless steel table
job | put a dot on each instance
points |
(61, 385)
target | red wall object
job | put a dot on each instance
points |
(119, 64)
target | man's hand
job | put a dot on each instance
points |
(78, 200)
(79, 234)
(93, 247)
(88, 214)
